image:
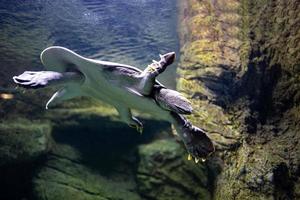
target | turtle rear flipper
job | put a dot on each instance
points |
(196, 141)
(63, 94)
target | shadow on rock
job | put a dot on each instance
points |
(93, 157)
(102, 142)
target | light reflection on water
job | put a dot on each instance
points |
(128, 31)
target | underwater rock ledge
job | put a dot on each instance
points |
(97, 157)
(89, 154)
(240, 66)
(23, 141)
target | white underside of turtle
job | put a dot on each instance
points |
(122, 86)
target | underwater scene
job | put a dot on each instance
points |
(149, 100)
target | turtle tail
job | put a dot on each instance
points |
(196, 141)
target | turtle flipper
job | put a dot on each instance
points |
(126, 116)
(147, 77)
(197, 143)
(62, 95)
(172, 100)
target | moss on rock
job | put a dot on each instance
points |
(93, 157)
(165, 173)
(23, 141)
(239, 68)
(66, 176)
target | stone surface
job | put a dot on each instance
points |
(23, 145)
(93, 157)
(23, 141)
(96, 157)
(165, 173)
(240, 66)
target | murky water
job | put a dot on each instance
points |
(97, 152)
(128, 31)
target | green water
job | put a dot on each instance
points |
(130, 32)
(81, 150)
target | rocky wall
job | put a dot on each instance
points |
(87, 153)
(240, 68)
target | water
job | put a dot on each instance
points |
(131, 32)
(58, 154)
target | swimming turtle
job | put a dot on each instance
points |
(122, 86)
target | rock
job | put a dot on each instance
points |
(23, 141)
(165, 173)
(23, 144)
(240, 66)
(93, 157)
(67, 176)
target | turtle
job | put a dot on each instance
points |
(124, 87)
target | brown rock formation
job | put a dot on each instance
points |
(240, 65)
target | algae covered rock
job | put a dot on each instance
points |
(87, 160)
(89, 155)
(23, 141)
(93, 157)
(67, 176)
(240, 68)
(165, 173)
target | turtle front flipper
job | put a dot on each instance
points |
(147, 77)
(126, 116)
(197, 143)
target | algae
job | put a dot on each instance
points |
(238, 65)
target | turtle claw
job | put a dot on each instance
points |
(199, 148)
(155, 62)
(196, 159)
(139, 129)
(199, 144)
(151, 69)
(137, 125)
